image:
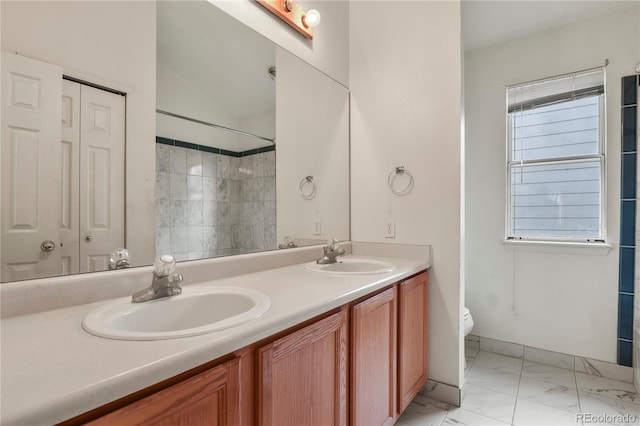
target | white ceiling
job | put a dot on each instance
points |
(486, 22)
(222, 57)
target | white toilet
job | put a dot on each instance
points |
(468, 321)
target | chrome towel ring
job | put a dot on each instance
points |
(310, 191)
(391, 180)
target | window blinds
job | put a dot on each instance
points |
(556, 158)
(533, 94)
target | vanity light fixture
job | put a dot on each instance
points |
(311, 19)
(292, 14)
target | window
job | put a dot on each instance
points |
(555, 158)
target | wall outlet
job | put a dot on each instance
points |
(317, 227)
(390, 229)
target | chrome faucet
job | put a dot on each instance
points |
(164, 284)
(331, 251)
(119, 259)
(288, 243)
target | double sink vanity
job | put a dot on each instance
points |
(299, 343)
(260, 338)
(202, 309)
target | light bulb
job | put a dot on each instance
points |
(311, 19)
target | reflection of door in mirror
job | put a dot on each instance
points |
(99, 175)
(31, 93)
(49, 227)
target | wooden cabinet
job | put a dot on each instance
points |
(388, 351)
(302, 377)
(413, 327)
(210, 398)
(373, 360)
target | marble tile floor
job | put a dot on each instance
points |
(501, 390)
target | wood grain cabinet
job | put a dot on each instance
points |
(373, 360)
(209, 398)
(413, 332)
(388, 351)
(302, 377)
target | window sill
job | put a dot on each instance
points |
(601, 249)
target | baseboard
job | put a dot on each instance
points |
(556, 359)
(442, 392)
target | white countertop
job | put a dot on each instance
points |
(53, 370)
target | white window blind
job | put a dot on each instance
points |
(556, 158)
(556, 89)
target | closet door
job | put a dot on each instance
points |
(101, 177)
(70, 154)
(30, 169)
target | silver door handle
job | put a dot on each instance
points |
(89, 237)
(47, 245)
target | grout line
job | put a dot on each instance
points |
(513, 416)
(469, 365)
(445, 417)
(577, 389)
(575, 379)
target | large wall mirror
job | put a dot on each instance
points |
(160, 127)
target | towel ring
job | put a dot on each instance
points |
(308, 193)
(392, 178)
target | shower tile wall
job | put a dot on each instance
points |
(627, 263)
(213, 204)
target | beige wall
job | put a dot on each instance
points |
(406, 76)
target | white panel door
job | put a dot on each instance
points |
(70, 185)
(30, 158)
(101, 177)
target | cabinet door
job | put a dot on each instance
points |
(210, 398)
(373, 360)
(412, 338)
(302, 377)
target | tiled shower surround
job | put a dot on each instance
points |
(628, 197)
(213, 204)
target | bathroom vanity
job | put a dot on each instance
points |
(308, 360)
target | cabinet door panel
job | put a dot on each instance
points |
(412, 340)
(302, 377)
(210, 398)
(373, 360)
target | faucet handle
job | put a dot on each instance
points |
(332, 244)
(164, 265)
(119, 259)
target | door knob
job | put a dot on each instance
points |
(47, 245)
(89, 237)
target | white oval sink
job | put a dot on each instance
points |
(198, 310)
(353, 266)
